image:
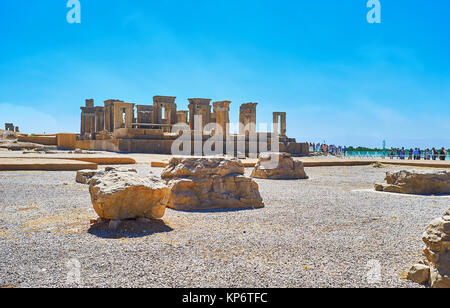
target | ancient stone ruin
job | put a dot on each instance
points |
(119, 195)
(278, 166)
(209, 183)
(416, 182)
(11, 128)
(434, 270)
(279, 123)
(85, 176)
(116, 127)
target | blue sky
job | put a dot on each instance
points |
(339, 78)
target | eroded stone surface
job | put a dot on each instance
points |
(118, 195)
(436, 253)
(278, 166)
(419, 273)
(85, 176)
(210, 183)
(416, 182)
(202, 167)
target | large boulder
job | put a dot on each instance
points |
(210, 183)
(416, 182)
(281, 166)
(202, 167)
(118, 195)
(85, 176)
(436, 264)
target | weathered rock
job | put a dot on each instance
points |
(85, 176)
(439, 280)
(419, 273)
(202, 167)
(417, 182)
(278, 166)
(437, 252)
(210, 183)
(377, 165)
(118, 195)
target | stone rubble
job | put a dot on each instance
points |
(210, 183)
(279, 166)
(435, 268)
(416, 182)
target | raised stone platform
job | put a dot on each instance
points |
(312, 162)
(40, 164)
(106, 160)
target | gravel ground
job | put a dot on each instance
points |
(328, 231)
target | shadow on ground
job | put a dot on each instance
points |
(129, 229)
(220, 210)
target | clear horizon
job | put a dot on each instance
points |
(340, 79)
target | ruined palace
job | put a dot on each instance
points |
(120, 126)
(10, 127)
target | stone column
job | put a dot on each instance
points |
(129, 116)
(87, 118)
(182, 116)
(279, 120)
(222, 115)
(99, 119)
(202, 107)
(283, 124)
(247, 118)
(109, 115)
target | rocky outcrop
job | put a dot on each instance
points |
(416, 182)
(85, 176)
(278, 166)
(118, 195)
(210, 183)
(435, 268)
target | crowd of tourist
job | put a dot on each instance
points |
(418, 154)
(330, 149)
(411, 154)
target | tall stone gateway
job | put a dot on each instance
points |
(118, 114)
(199, 107)
(164, 110)
(99, 119)
(9, 127)
(222, 115)
(88, 118)
(279, 123)
(247, 119)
